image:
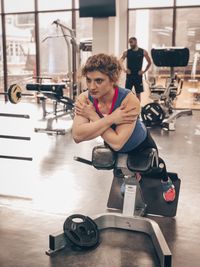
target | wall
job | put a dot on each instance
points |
(110, 34)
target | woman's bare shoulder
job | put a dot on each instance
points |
(83, 96)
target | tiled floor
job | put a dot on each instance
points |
(37, 196)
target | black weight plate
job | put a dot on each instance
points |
(152, 114)
(81, 231)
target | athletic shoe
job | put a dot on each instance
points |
(122, 188)
(169, 192)
(118, 173)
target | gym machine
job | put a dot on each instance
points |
(85, 48)
(161, 111)
(55, 92)
(69, 36)
(140, 198)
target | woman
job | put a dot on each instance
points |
(112, 112)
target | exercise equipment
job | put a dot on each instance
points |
(152, 114)
(161, 111)
(15, 94)
(72, 59)
(55, 92)
(15, 157)
(24, 138)
(81, 232)
(27, 138)
(24, 116)
(85, 51)
(140, 198)
(170, 56)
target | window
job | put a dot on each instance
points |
(54, 5)
(152, 28)
(188, 35)
(84, 37)
(55, 58)
(20, 50)
(83, 27)
(76, 3)
(25, 20)
(187, 2)
(148, 3)
(18, 6)
(1, 60)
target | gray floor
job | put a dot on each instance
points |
(37, 196)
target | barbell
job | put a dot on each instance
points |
(15, 93)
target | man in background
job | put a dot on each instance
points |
(134, 72)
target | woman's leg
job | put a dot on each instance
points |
(150, 143)
(167, 185)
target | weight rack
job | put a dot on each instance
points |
(25, 138)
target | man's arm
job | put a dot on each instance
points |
(123, 57)
(148, 59)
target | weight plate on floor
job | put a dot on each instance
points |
(81, 231)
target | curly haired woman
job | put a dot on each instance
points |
(112, 112)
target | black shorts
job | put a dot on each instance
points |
(150, 143)
(136, 81)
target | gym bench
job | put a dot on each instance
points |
(140, 198)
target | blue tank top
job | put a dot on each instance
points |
(139, 133)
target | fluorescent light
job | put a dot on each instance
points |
(163, 33)
(159, 30)
(169, 28)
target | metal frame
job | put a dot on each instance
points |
(169, 123)
(54, 116)
(58, 241)
(25, 138)
(166, 102)
(37, 40)
(4, 49)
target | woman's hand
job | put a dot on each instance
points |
(85, 109)
(124, 115)
(128, 71)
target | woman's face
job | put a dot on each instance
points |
(98, 84)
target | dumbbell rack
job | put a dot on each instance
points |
(25, 138)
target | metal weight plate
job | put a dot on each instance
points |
(152, 114)
(81, 231)
(14, 93)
